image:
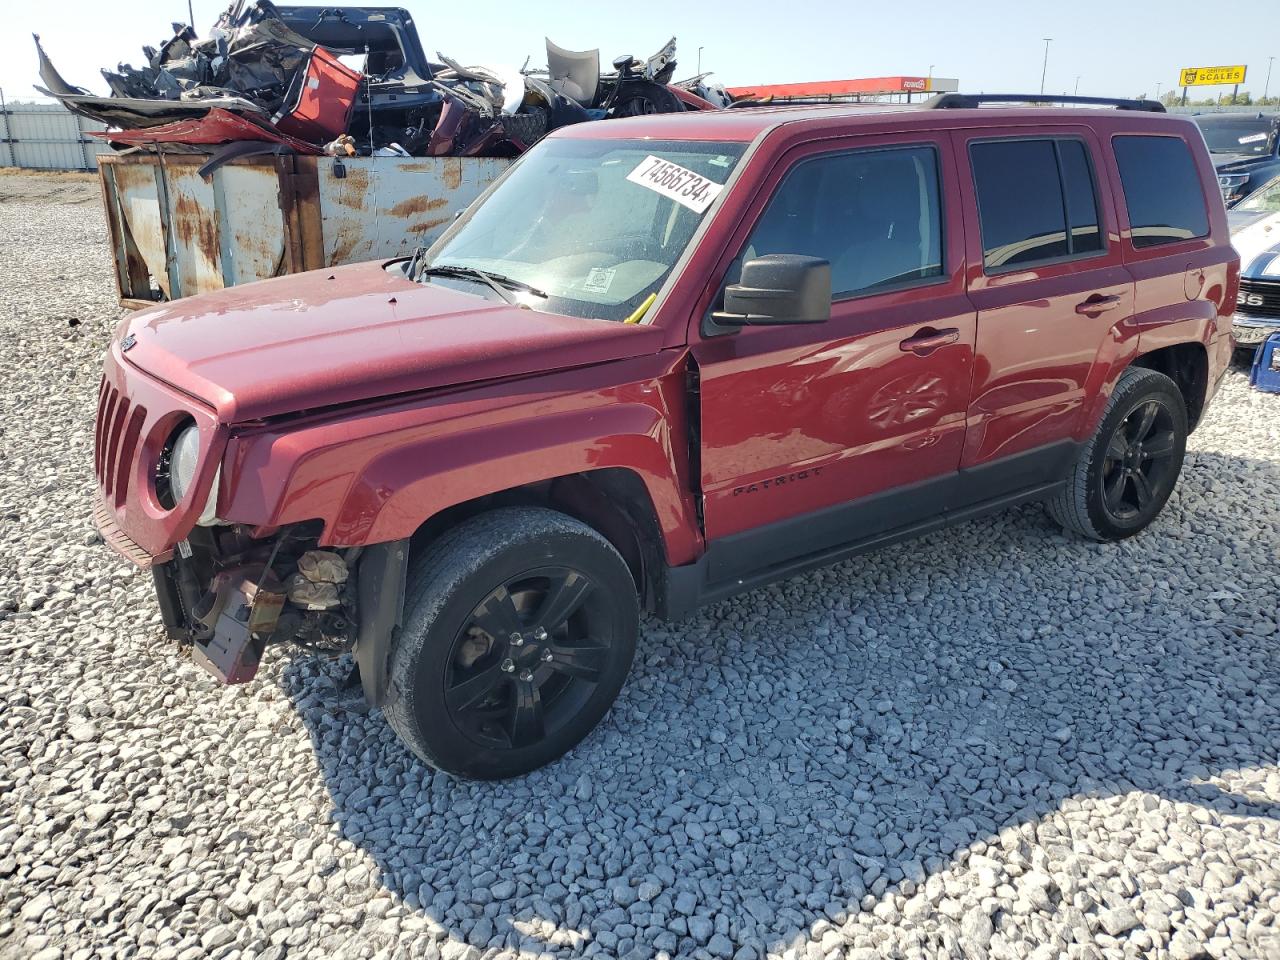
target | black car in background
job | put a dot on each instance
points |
(1245, 148)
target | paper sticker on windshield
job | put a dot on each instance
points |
(1253, 138)
(676, 183)
(599, 280)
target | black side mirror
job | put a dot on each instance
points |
(778, 289)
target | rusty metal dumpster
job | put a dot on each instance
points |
(175, 233)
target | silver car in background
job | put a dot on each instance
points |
(1255, 233)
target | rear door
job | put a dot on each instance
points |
(1047, 277)
(1172, 252)
(799, 422)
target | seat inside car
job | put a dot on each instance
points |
(883, 222)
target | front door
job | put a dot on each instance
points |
(816, 435)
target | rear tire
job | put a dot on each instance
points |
(642, 98)
(1128, 469)
(520, 627)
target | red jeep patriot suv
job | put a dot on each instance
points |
(661, 361)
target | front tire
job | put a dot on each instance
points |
(1128, 469)
(520, 628)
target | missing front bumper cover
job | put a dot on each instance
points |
(244, 606)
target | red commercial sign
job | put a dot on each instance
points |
(837, 88)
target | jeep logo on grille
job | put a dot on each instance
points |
(127, 343)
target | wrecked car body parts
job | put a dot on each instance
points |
(281, 69)
(246, 109)
(255, 68)
(217, 127)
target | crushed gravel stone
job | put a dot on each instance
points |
(995, 742)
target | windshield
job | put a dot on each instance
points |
(1263, 200)
(592, 226)
(1238, 135)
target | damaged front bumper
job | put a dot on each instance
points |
(231, 589)
(229, 596)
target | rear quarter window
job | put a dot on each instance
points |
(1161, 189)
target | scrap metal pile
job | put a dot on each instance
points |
(280, 79)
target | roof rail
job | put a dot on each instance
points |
(964, 101)
(819, 101)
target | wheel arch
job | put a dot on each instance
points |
(613, 501)
(1187, 365)
(1185, 362)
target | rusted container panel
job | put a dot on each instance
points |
(252, 241)
(133, 192)
(196, 251)
(386, 206)
(176, 233)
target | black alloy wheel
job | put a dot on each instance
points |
(1126, 472)
(520, 627)
(1139, 467)
(528, 657)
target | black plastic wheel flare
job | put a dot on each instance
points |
(1138, 469)
(528, 657)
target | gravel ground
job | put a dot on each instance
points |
(993, 742)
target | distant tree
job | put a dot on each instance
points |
(1173, 98)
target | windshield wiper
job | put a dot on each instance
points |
(501, 285)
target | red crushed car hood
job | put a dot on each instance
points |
(356, 333)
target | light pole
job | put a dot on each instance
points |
(1077, 89)
(1045, 69)
(699, 70)
(1267, 86)
(1159, 84)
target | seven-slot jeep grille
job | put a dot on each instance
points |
(115, 441)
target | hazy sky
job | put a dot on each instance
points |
(1115, 47)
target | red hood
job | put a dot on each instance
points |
(355, 333)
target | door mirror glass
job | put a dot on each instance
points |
(777, 289)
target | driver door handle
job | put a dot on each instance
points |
(1097, 304)
(925, 341)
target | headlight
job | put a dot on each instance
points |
(178, 471)
(183, 456)
(1230, 183)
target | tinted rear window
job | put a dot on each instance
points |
(1028, 193)
(1161, 189)
(1082, 202)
